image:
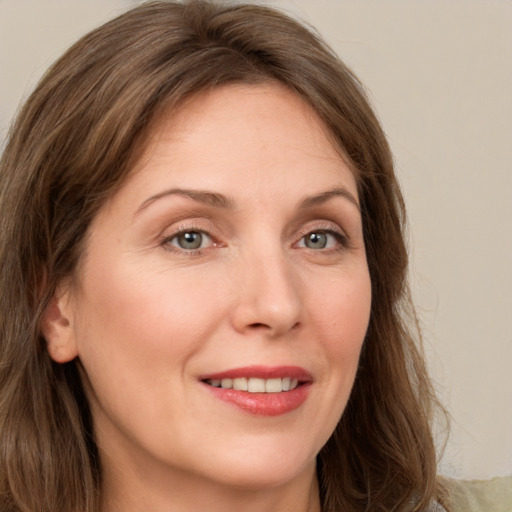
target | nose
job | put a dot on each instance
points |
(268, 298)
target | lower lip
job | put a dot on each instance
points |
(263, 404)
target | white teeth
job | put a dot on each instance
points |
(256, 385)
(226, 383)
(273, 386)
(240, 384)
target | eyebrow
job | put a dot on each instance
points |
(225, 202)
(322, 198)
(201, 196)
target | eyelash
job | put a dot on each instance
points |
(166, 242)
(341, 239)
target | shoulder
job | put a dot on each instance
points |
(493, 495)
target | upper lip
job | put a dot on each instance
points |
(262, 372)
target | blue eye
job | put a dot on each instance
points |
(190, 240)
(320, 240)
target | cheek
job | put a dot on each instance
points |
(342, 316)
(136, 333)
(144, 311)
(343, 311)
(339, 320)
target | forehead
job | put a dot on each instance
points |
(243, 141)
(239, 126)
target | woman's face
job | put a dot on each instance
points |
(233, 256)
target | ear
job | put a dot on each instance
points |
(57, 328)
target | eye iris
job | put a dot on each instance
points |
(190, 240)
(316, 240)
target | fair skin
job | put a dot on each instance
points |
(235, 249)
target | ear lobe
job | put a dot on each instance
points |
(57, 329)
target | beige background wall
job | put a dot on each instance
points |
(440, 77)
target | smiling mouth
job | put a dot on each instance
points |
(261, 390)
(256, 385)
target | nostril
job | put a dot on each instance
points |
(259, 325)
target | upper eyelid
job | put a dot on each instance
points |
(322, 225)
(182, 225)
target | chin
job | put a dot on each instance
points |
(263, 465)
(271, 474)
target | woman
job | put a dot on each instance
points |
(203, 291)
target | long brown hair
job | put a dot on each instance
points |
(72, 146)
